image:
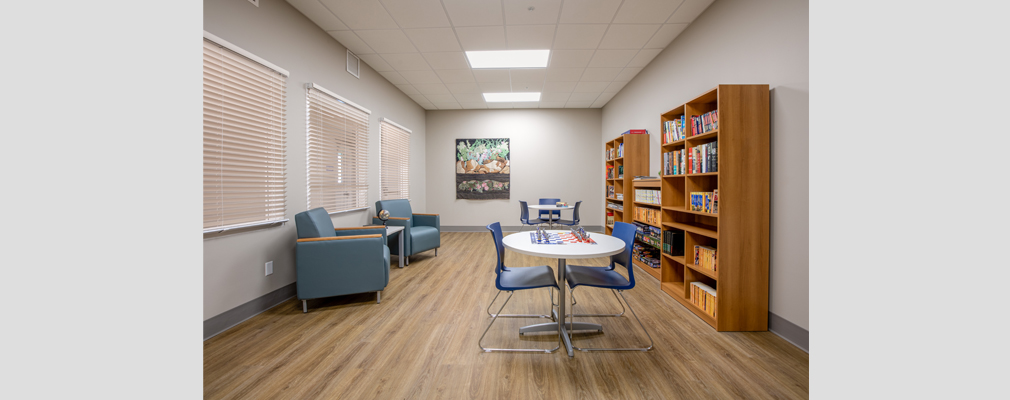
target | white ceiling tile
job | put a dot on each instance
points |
(627, 36)
(552, 104)
(688, 11)
(605, 97)
(499, 105)
(527, 86)
(455, 75)
(544, 12)
(643, 57)
(555, 97)
(448, 106)
(482, 38)
(645, 11)
(589, 87)
(555, 74)
(432, 88)
(469, 98)
(451, 60)
(600, 74)
(665, 36)
(590, 97)
(440, 98)
(433, 39)
(376, 62)
(417, 13)
(406, 61)
(491, 75)
(526, 104)
(559, 87)
(361, 14)
(386, 41)
(578, 104)
(474, 12)
(394, 77)
(418, 98)
(527, 74)
(627, 74)
(571, 58)
(351, 41)
(579, 36)
(463, 88)
(612, 58)
(495, 87)
(420, 77)
(475, 105)
(408, 89)
(428, 106)
(615, 87)
(530, 37)
(319, 14)
(589, 11)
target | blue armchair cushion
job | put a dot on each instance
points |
(314, 223)
(422, 232)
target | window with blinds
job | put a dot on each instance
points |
(243, 138)
(336, 146)
(395, 161)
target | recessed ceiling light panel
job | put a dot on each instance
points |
(508, 58)
(513, 96)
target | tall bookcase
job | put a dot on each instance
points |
(739, 230)
(635, 161)
(645, 184)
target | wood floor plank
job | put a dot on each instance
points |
(421, 343)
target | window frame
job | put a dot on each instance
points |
(313, 156)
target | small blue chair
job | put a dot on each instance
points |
(524, 216)
(512, 279)
(575, 217)
(551, 214)
(608, 278)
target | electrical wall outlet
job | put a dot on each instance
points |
(270, 267)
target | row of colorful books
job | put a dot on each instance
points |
(647, 255)
(674, 130)
(705, 201)
(648, 234)
(647, 215)
(635, 132)
(673, 242)
(618, 207)
(650, 196)
(704, 297)
(704, 158)
(705, 123)
(705, 257)
(673, 162)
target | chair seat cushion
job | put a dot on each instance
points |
(602, 277)
(534, 221)
(565, 222)
(423, 238)
(526, 278)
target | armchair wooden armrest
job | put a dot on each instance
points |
(359, 227)
(424, 214)
(339, 238)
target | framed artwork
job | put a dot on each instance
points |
(482, 169)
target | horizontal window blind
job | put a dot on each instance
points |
(336, 147)
(395, 161)
(243, 140)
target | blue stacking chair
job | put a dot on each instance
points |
(524, 216)
(512, 279)
(551, 214)
(575, 217)
(608, 278)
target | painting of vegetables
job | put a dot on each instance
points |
(482, 169)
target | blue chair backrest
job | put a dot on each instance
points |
(549, 212)
(399, 208)
(524, 212)
(499, 248)
(314, 223)
(625, 232)
(575, 215)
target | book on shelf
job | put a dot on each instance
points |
(674, 130)
(647, 255)
(705, 257)
(648, 234)
(673, 162)
(620, 196)
(610, 218)
(610, 191)
(620, 172)
(610, 172)
(673, 242)
(647, 215)
(703, 159)
(701, 124)
(636, 132)
(651, 196)
(704, 296)
(620, 150)
(642, 177)
(707, 202)
(615, 206)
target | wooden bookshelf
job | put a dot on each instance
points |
(635, 161)
(647, 184)
(739, 231)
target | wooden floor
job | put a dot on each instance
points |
(421, 342)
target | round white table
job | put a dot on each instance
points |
(605, 246)
(550, 207)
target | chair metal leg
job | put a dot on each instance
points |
(621, 292)
(305, 307)
(378, 297)
(574, 302)
(406, 260)
(514, 315)
(436, 252)
(488, 350)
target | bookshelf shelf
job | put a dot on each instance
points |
(613, 199)
(742, 158)
(634, 161)
(644, 204)
(651, 271)
(647, 223)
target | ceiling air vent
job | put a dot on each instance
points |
(353, 64)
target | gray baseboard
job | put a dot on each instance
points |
(463, 228)
(789, 331)
(226, 320)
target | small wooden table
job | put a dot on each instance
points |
(394, 229)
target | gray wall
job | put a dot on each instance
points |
(738, 41)
(554, 153)
(233, 263)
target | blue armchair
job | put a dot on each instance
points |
(422, 231)
(337, 261)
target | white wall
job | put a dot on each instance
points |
(739, 41)
(554, 153)
(233, 263)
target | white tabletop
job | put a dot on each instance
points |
(392, 229)
(549, 207)
(605, 246)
